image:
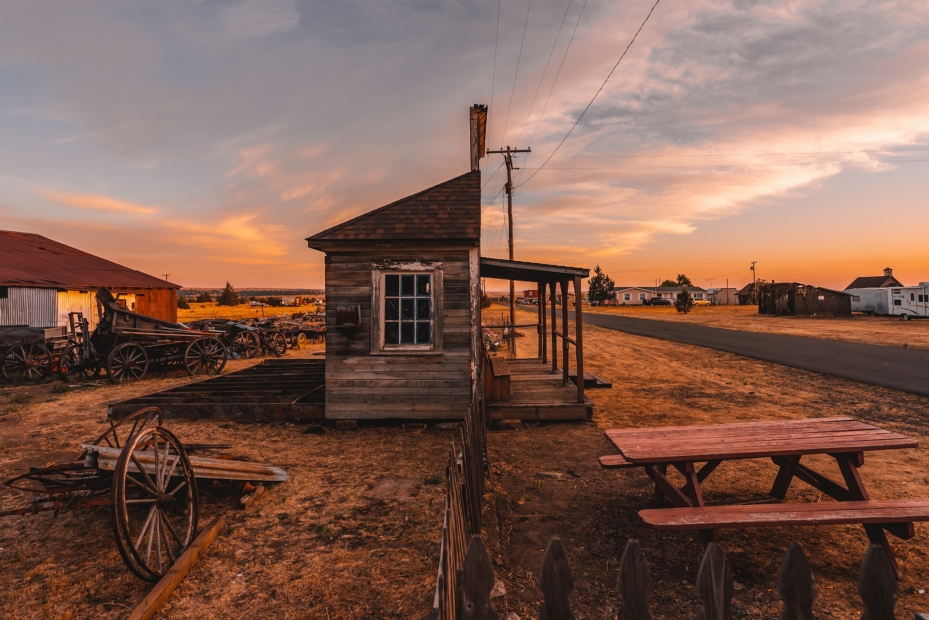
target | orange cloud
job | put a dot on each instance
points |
(96, 202)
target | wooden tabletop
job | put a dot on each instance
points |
(747, 440)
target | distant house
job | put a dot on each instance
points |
(639, 295)
(722, 296)
(746, 295)
(42, 281)
(796, 299)
(883, 281)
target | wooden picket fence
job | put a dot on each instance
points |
(877, 585)
(465, 477)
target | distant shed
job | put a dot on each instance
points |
(42, 281)
(795, 299)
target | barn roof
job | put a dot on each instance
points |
(874, 282)
(36, 261)
(449, 211)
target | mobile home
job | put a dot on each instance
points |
(903, 301)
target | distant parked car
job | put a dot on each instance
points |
(658, 301)
(701, 302)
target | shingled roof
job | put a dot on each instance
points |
(449, 211)
(31, 260)
(874, 282)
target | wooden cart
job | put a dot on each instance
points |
(30, 353)
(126, 345)
(148, 480)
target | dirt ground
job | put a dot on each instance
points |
(879, 330)
(354, 534)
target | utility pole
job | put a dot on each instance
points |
(166, 276)
(508, 160)
(754, 281)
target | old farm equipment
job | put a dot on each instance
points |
(30, 353)
(244, 340)
(126, 344)
(148, 480)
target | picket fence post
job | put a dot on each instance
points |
(714, 584)
(877, 585)
(795, 585)
(635, 583)
(556, 583)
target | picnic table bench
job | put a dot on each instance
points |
(785, 443)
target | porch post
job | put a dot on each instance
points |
(564, 329)
(579, 338)
(554, 330)
(543, 333)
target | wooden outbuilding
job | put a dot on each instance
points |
(42, 281)
(796, 299)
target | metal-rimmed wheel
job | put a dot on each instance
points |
(73, 367)
(121, 432)
(245, 345)
(275, 342)
(300, 341)
(155, 505)
(26, 361)
(205, 356)
(126, 362)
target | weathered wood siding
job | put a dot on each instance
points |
(158, 303)
(362, 385)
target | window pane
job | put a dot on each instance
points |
(392, 286)
(406, 309)
(391, 333)
(406, 285)
(391, 309)
(406, 333)
(423, 309)
(423, 329)
(422, 285)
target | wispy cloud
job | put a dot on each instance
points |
(95, 202)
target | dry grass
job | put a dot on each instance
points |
(889, 331)
(354, 533)
(199, 311)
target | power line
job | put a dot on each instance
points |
(595, 94)
(515, 75)
(544, 71)
(493, 81)
(759, 154)
(555, 81)
(717, 166)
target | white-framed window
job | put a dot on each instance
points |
(406, 307)
(641, 296)
(627, 296)
(698, 295)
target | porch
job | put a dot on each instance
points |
(540, 388)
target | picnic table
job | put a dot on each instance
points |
(785, 442)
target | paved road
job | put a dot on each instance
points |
(891, 367)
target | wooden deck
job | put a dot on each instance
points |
(537, 394)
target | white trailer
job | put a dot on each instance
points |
(907, 302)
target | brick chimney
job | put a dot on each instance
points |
(888, 271)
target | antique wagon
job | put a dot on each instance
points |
(148, 480)
(30, 353)
(126, 345)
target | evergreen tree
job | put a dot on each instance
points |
(683, 280)
(228, 297)
(601, 287)
(684, 303)
(668, 283)
(204, 298)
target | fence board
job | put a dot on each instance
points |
(877, 585)
(714, 584)
(795, 585)
(556, 583)
(635, 583)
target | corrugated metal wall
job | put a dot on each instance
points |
(77, 301)
(35, 307)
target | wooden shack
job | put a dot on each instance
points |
(42, 281)
(796, 299)
(403, 305)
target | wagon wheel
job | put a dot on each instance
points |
(121, 432)
(155, 505)
(127, 362)
(300, 341)
(26, 361)
(246, 344)
(205, 356)
(71, 365)
(276, 342)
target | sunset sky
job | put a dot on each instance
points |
(207, 140)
